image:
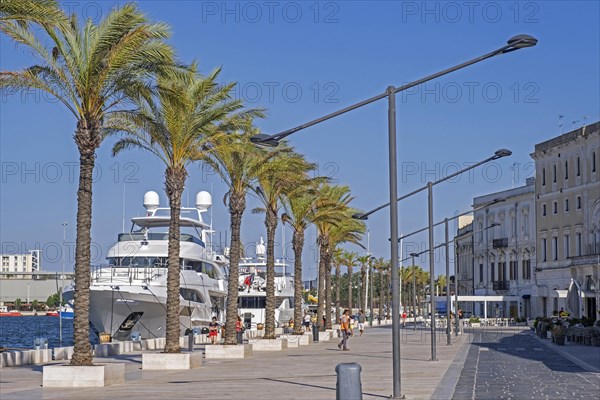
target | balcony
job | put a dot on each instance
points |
(500, 243)
(501, 285)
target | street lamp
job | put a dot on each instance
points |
(514, 43)
(413, 255)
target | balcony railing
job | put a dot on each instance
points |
(500, 243)
(501, 285)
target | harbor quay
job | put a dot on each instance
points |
(309, 371)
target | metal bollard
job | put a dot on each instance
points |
(191, 341)
(348, 386)
(315, 328)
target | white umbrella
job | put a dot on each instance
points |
(573, 299)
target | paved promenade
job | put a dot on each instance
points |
(489, 364)
(296, 373)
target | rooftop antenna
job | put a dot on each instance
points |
(560, 123)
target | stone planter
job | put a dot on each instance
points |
(475, 324)
(268, 344)
(228, 351)
(163, 361)
(89, 376)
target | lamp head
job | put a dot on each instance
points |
(522, 41)
(360, 216)
(494, 225)
(501, 153)
(264, 140)
(414, 254)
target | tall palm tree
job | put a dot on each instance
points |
(174, 127)
(45, 12)
(341, 196)
(286, 172)
(303, 207)
(337, 261)
(238, 162)
(364, 263)
(349, 260)
(92, 70)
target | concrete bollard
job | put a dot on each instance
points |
(348, 386)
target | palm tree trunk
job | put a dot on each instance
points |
(323, 245)
(350, 288)
(237, 205)
(298, 244)
(363, 285)
(338, 277)
(271, 224)
(174, 183)
(88, 140)
(328, 292)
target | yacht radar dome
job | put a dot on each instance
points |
(203, 201)
(151, 201)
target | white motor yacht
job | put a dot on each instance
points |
(128, 296)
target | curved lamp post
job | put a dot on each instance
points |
(514, 43)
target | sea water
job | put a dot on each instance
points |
(20, 332)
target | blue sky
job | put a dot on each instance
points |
(301, 60)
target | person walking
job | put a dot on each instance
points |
(213, 330)
(239, 330)
(306, 322)
(344, 328)
(361, 321)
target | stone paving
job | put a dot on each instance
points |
(515, 364)
(295, 373)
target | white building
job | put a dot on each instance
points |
(568, 219)
(465, 261)
(504, 255)
(27, 263)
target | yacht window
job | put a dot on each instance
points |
(252, 302)
(191, 295)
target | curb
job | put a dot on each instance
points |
(445, 388)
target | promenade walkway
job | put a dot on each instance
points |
(296, 373)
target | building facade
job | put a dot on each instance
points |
(504, 251)
(465, 261)
(568, 219)
(25, 263)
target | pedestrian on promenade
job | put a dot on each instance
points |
(361, 322)
(344, 328)
(213, 329)
(307, 322)
(403, 318)
(239, 330)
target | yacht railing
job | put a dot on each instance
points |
(109, 273)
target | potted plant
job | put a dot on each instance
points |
(559, 334)
(475, 322)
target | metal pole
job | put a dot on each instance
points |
(371, 293)
(456, 264)
(414, 272)
(448, 319)
(62, 285)
(391, 94)
(431, 269)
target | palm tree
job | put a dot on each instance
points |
(92, 70)
(441, 283)
(175, 127)
(286, 172)
(238, 162)
(303, 207)
(364, 263)
(46, 12)
(340, 195)
(337, 261)
(349, 260)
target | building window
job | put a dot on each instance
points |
(525, 224)
(544, 249)
(578, 243)
(593, 161)
(566, 205)
(492, 272)
(502, 270)
(514, 225)
(480, 273)
(555, 207)
(578, 166)
(566, 239)
(543, 176)
(513, 271)
(526, 269)
(566, 170)
(543, 210)
(578, 202)
(554, 173)
(554, 248)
